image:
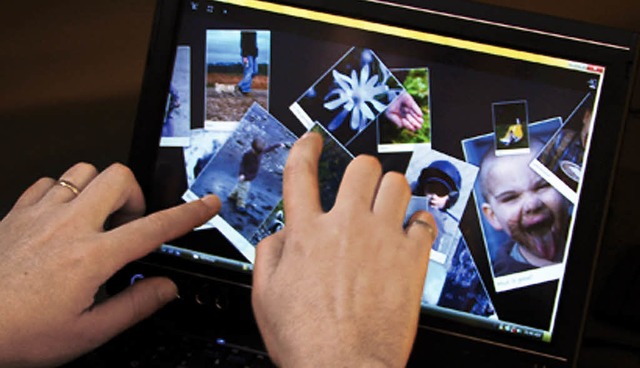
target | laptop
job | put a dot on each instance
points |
(506, 125)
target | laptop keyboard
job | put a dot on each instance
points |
(143, 347)
(188, 352)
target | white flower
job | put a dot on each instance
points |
(355, 95)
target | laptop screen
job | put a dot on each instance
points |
(503, 130)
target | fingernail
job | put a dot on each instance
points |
(423, 223)
(425, 220)
(170, 291)
(211, 200)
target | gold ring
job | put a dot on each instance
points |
(69, 185)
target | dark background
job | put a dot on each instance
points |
(70, 74)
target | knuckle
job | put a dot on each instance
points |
(120, 170)
(45, 180)
(85, 167)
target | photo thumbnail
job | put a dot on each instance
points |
(441, 185)
(561, 161)
(237, 73)
(349, 96)
(246, 174)
(176, 127)
(444, 182)
(407, 120)
(271, 225)
(524, 219)
(333, 162)
(511, 127)
(204, 144)
(453, 280)
(463, 289)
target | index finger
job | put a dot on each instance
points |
(300, 183)
(139, 237)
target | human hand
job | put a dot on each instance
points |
(55, 254)
(342, 288)
(405, 113)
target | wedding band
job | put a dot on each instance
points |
(69, 185)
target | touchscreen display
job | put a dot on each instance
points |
(492, 140)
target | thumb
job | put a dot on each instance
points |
(423, 230)
(268, 254)
(125, 309)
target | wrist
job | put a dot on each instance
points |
(338, 357)
(339, 362)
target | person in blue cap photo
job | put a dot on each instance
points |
(440, 183)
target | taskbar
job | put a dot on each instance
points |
(200, 257)
(490, 323)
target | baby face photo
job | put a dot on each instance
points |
(524, 219)
(406, 122)
(246, 173)
(349, 96)
(176, 127)
(237, 73)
